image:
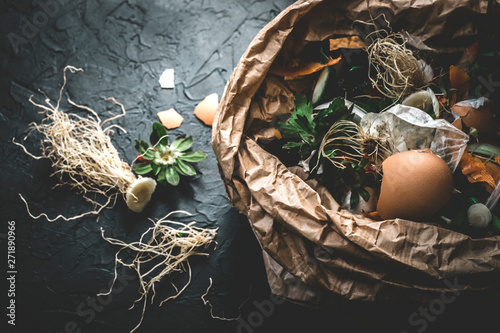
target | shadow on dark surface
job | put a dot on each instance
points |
(123, 47)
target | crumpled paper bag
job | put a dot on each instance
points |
(314, 251)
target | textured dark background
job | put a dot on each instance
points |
(124, 46)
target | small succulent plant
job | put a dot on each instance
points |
(166, 161)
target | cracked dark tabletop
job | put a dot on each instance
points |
(123, 46)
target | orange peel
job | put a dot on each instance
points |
(476, 171)
(303, 70)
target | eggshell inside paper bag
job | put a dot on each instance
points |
(416, 184)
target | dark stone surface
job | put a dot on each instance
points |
(124, 46)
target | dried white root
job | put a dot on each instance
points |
(80, 148)
(397, 71)
(168, 249)
(207, 302)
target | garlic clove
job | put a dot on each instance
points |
(139, 194)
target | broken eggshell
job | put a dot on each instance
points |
(205, 111)
(170, 118)
(476, 113)
(424, 100)
(167, 79)
(416, 184)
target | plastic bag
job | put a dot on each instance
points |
(407, 128)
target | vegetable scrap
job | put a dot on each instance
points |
(479, 215)
(398, 132)
(302, 70)
(80, 150)
(316, 140)
(397, 70)
(166, 161)
(170, 118)
(163, 249)
(205, 110)
(476, 171)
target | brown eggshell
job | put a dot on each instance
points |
(482, 118)
(416, 184)
(205, 111)
(170, 118)
(458, 124)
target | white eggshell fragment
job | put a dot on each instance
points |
(427, 70)
(424, 100)
(167, 79)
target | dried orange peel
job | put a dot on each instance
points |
(303, 70)
(476, 171)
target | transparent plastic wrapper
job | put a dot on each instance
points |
(406, 128)
(315, 252)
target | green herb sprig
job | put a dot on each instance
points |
(166, 161)
(305, 129)
(355, 176)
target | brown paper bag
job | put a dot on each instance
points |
(314, 251)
